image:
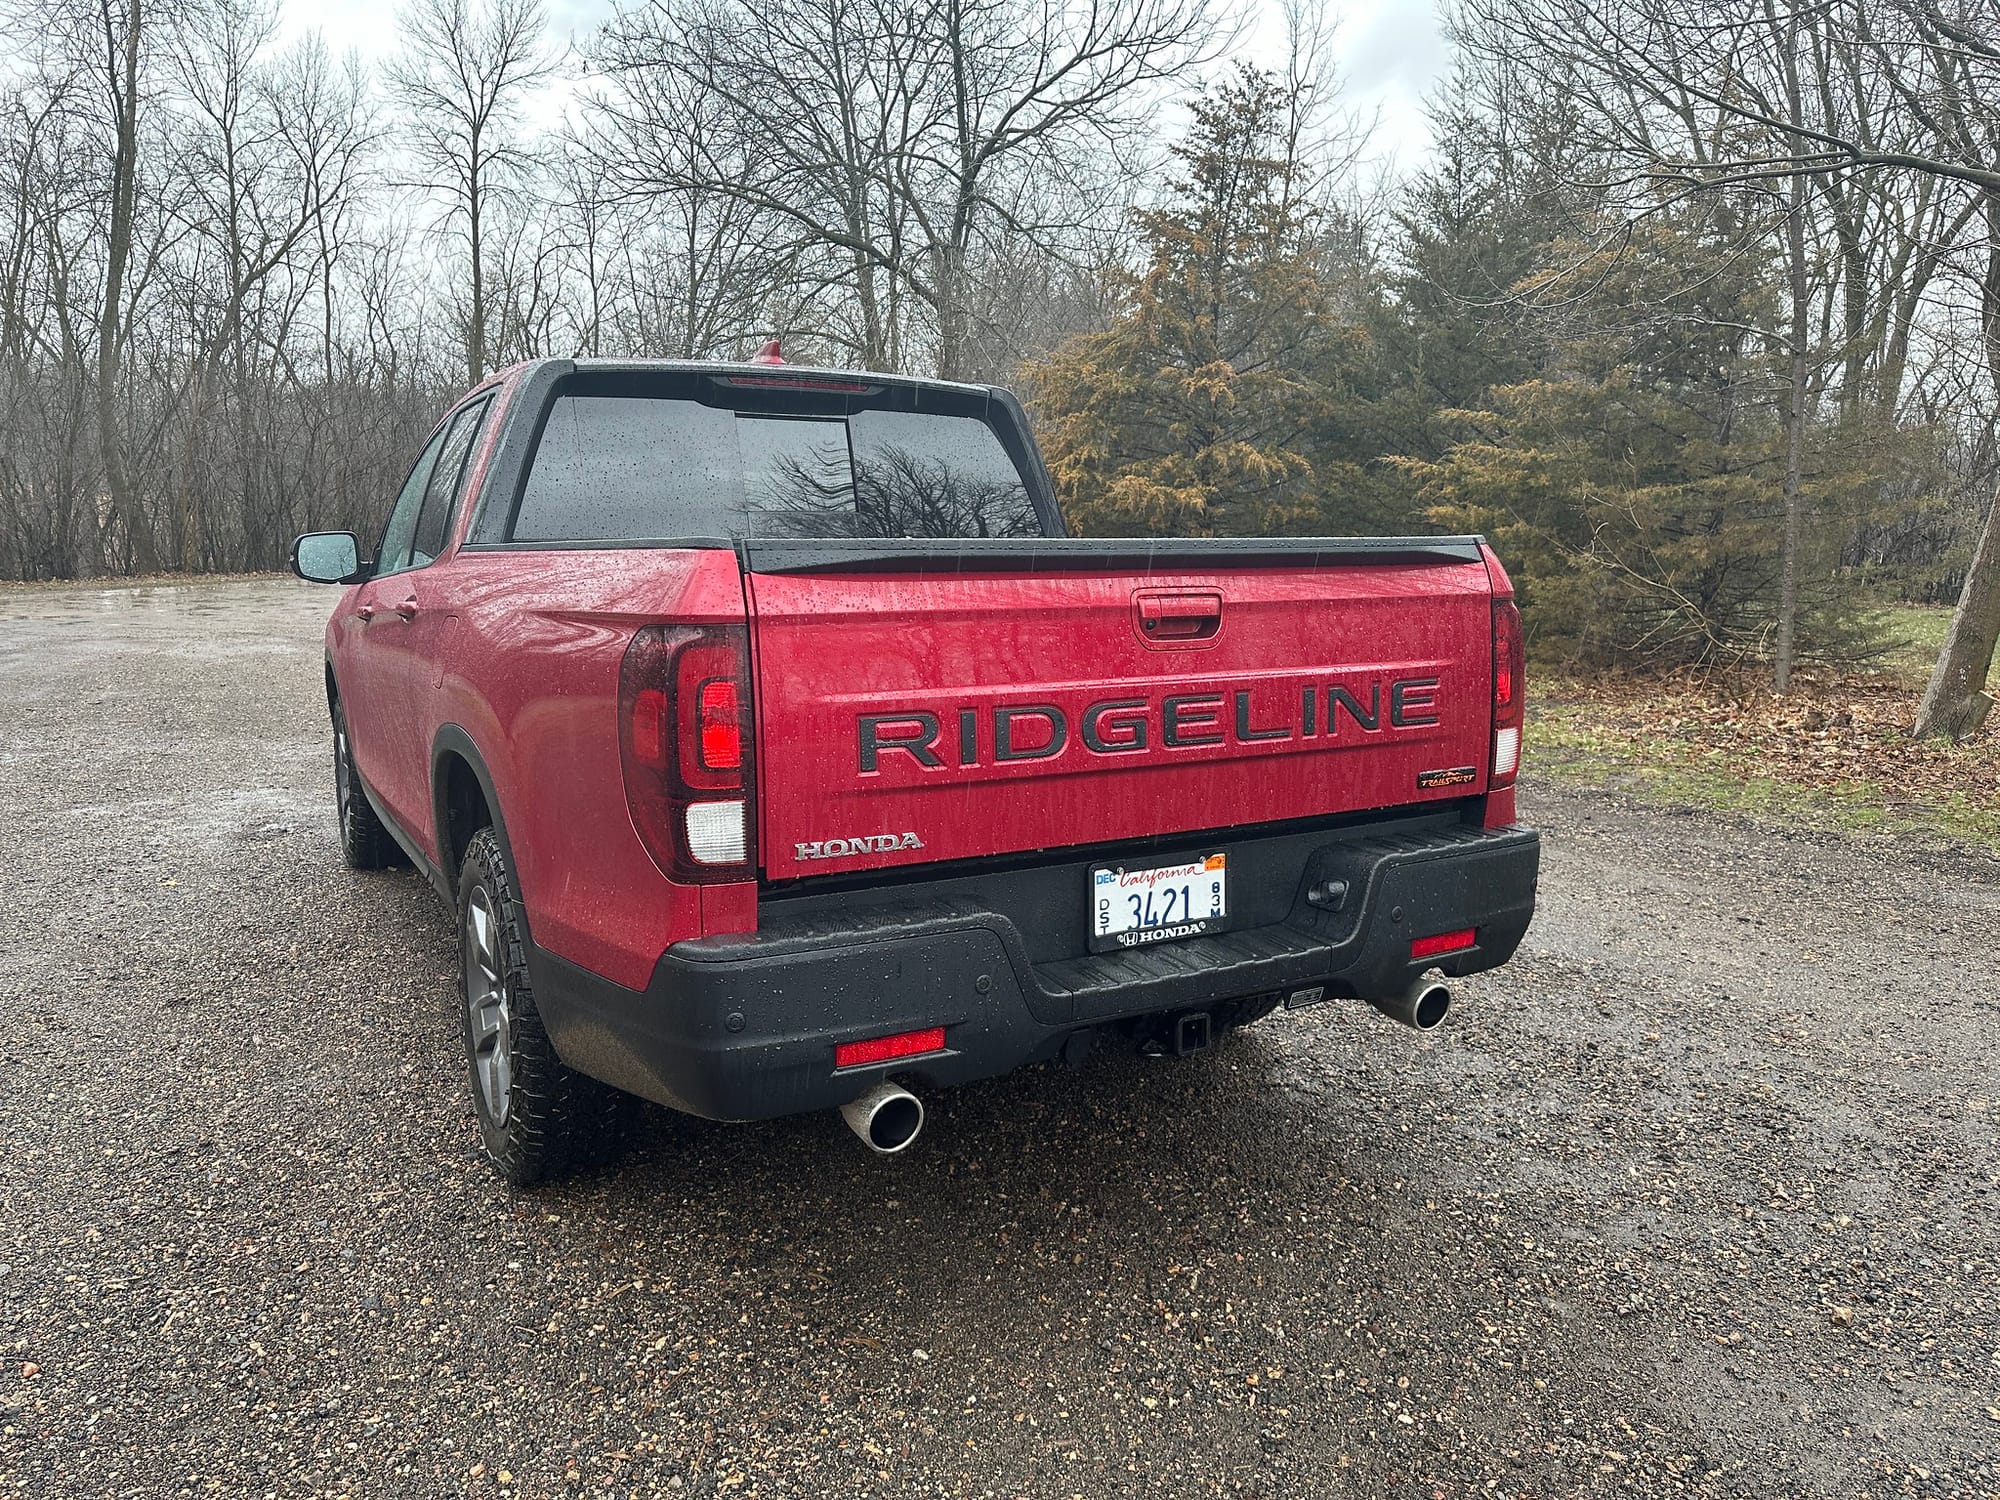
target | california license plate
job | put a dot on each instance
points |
(1130, 908)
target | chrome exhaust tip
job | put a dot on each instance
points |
(1422, 1007)
(887, 1118)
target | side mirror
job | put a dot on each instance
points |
(327, 557)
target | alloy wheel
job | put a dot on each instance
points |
(486, 1005)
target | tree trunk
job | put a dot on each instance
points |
(1795, 405)
(875, 353)
(948, 276)
(1795, 423)
(1956, 702)
(110, 323)
(475, 337)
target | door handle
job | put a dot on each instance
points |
(408, 608)
(1177, 616)
(364, 612)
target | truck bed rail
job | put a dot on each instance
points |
(1094, 554)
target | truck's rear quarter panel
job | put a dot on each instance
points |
(532, 676)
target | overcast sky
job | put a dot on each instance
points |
(1390, 51)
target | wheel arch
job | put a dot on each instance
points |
(463, 801)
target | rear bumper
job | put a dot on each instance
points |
(744, 1027)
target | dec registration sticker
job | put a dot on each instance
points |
(1130, 908)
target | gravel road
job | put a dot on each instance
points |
(1698, 1196)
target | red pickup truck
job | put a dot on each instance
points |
(778, 751)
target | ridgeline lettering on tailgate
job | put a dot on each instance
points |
(1133, 725)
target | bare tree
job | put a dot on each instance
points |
(464, 77)
(106, 44)
(693, 273)
(1701, 97)
(898, 140)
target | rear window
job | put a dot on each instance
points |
(651, 468)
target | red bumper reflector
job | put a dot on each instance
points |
(1443, 942)
(882, 1048)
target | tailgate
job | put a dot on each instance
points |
(914, 707)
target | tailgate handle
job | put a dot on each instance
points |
(1165, 615)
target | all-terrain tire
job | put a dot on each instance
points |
(538, 1119)
(364, 843)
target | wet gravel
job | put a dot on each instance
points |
(1698, 1196)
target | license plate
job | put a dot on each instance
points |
(1130, 908)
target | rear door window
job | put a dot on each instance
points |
(646, 468)
(447, 485)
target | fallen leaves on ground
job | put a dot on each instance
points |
(1842, 739)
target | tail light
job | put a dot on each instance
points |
(685, 743)
(1507, 670)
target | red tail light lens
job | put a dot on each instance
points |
(721, 725)
(1508, 665)
(648, 722)
(684, 729)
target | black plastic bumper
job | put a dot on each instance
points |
(744, 1027)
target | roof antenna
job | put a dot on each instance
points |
(768, 354)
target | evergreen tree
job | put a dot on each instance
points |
(1633, 483)
(1464, 246)
(1226, 396)
(1506, 180)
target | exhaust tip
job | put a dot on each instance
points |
(886, 1118)
(1423, 1006)
(1430, 1003)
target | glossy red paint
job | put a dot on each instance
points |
(533, 679)
(520, 650)
(847, 667)
(530, 670)
(389, 639)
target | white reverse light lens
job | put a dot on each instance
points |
(1506, 751)
(715, 832)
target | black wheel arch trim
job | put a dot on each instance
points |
(453, 740)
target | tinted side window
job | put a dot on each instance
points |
(447, 484)
(639, 468)
(393, 555)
